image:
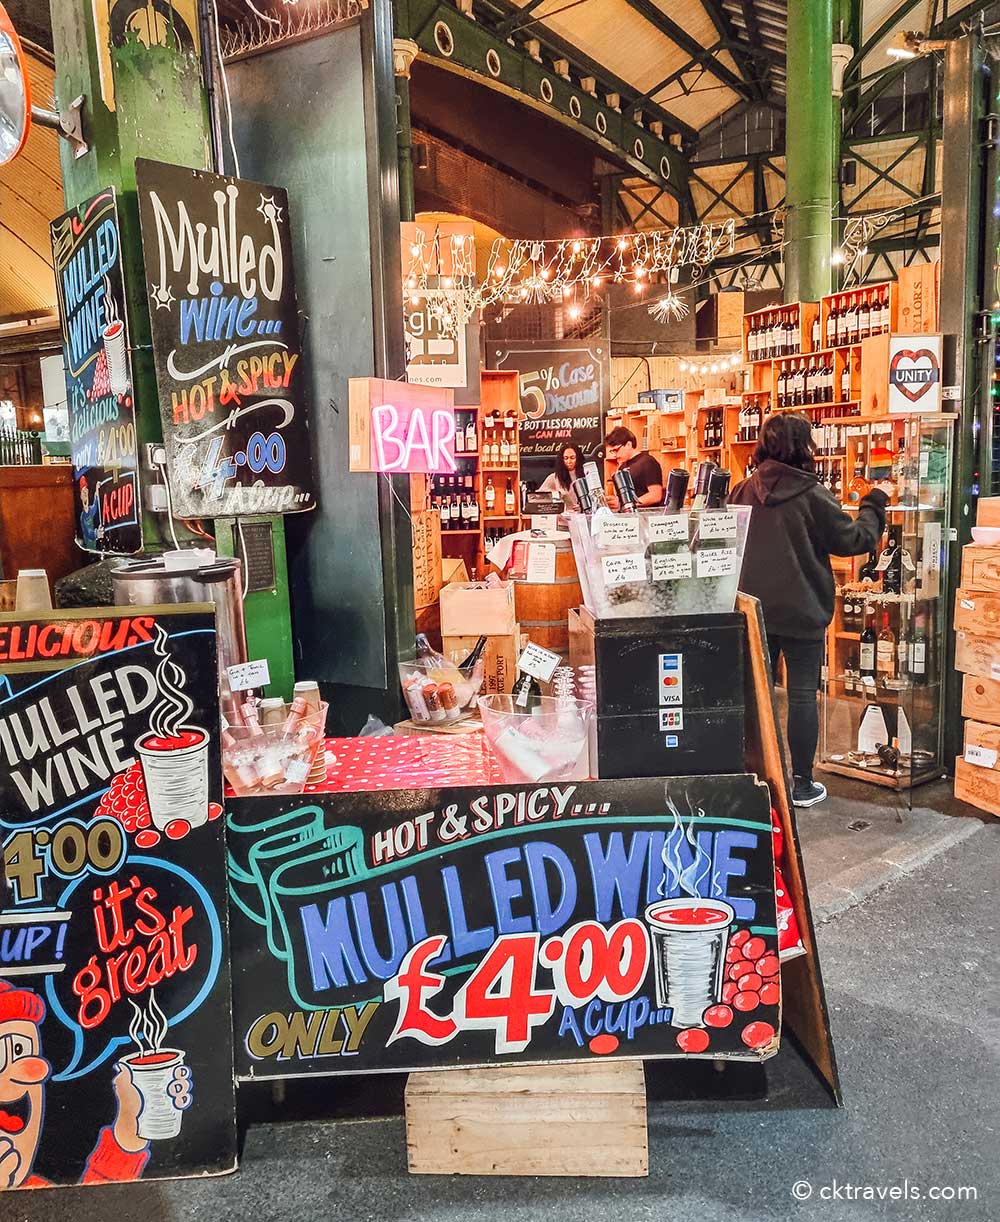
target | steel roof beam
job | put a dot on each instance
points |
(700, 54)
(727, 33)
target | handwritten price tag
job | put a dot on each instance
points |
(539, 662)
(617, 531)
(673, 529)
(717, 526)
(249, 674)
(541, 563)
(720, 562)
(982, 757)
(672, 568)
(621, 569)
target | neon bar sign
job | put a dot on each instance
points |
(401, 428)
(413, 439)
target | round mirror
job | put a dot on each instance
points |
(15, 93)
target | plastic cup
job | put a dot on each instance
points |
(689, 939)
(117, 357)
(176, 774)
(152, 1073)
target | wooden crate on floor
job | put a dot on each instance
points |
(980, 787)
(981, 699)
(529, 1120)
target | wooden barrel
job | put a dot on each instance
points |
(542, 607)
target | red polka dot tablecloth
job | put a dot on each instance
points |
(401, 762)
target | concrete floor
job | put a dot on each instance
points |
(913, 985)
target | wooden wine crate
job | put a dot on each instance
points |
(980, 567)
(987, 512)
(585, 1119)
(980, 787)
(981, 699)
(978, 612)
(917, 299)
(426, 557)
(977, 655)
(985, 743)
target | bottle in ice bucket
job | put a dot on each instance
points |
(581, 490)
(527, 693)
(625, 487)
(468, 665)
(669, 590)
(701, 477)
(710, 582)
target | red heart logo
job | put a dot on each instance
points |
(913, 393)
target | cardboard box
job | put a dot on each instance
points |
(980, 787)
(977, 655)
(978, 612)
(453, 569)
(472, 609)
(426, 557)
(981, 699)
(501, 654)
(981, 568)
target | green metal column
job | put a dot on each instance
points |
(404, 51)
(139, 101)
(809, 150)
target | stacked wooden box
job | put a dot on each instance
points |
(977, 655)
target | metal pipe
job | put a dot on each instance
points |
(809, 149)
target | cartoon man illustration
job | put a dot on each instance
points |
(120, 1153)
(91, 526)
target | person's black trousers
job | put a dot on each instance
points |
(803, 660)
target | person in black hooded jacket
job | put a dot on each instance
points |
(795, 527)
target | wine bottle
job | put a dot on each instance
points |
(867, 645)
(625, 487)
(468, 664)
(885, 649)
(677, 484)
(527, 693)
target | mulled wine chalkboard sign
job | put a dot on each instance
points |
(97, 357)
(114, 969)
(226, 343)
(503, 925)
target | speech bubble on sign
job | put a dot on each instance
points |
(152, 926)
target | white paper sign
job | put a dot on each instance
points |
(982, 757)
(717, 526)
(245, 675)
(967, 604)
(619, 530)
(541, 567)
(672, 529)
(994, 670)
(539, 662)
(620, 569)
(672, 568)
(720, 562)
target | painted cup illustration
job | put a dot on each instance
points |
(174, 754)
(689, 938)
(153, 1075)
(158, 1073)
(114, 344)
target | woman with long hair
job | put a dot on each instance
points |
(569, 467)
(796, 526)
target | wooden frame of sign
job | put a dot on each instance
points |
(453, 1116)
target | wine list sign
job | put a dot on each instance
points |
(86, 255)
(115, 1056)
(459, 927)
(226, 347)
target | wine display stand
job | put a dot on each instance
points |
(885, 646)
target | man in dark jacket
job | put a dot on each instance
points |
(795, 527)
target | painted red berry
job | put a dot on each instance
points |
(718, 1016)
(756, 1035)
(767, 965)
(746, 1001)
(177, 829)
(770, 994)
(692, 1040)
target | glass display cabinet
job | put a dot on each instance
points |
(882, 682)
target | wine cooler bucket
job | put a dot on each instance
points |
(654, 562)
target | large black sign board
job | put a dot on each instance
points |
(114, 975)
(225, 327)
(564, 395)
(448, 928)
(87, 261)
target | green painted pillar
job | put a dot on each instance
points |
(145, 97)
(809, 150)
(139, 101)
(404, 51)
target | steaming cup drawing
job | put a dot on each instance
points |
(689, 939)
(162, 1080)
(175, 769)
(115, 350)
(174, 754)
